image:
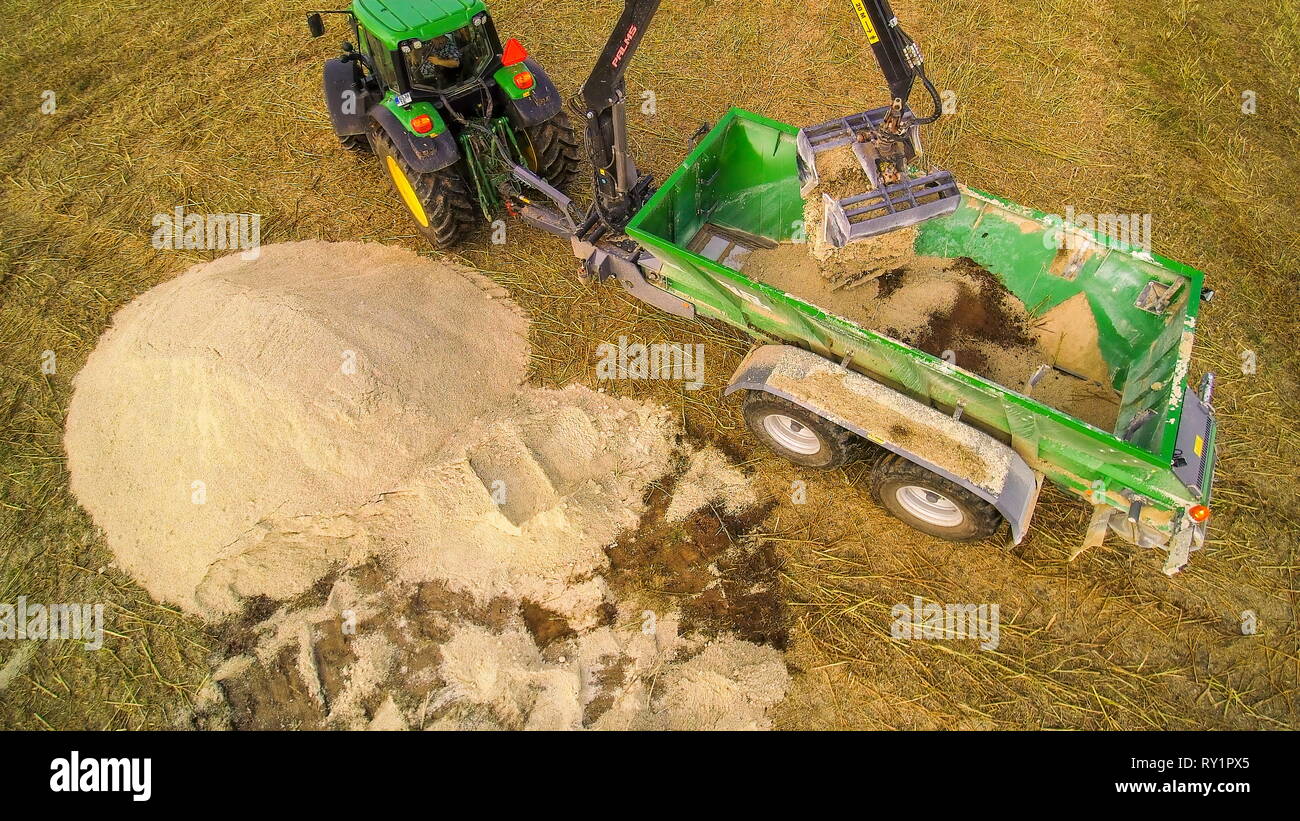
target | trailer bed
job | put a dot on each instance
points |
(950, 308)
(1071, 350)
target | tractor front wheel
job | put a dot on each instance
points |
(554, 150)
(439, 201)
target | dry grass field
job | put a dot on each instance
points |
(1106, 107)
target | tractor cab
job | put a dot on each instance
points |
(439, 50)
(432, 91)
(447, 62)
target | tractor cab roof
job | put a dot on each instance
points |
(393, 21)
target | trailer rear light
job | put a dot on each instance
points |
(514, 53)
(524, 80)
(1199, 513)
(422, 123)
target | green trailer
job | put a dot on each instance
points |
(959, 452)
(1074, 347)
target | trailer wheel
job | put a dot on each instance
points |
(439, 202)
(930, 503)
(796, 433)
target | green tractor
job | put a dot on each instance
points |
(446, 108)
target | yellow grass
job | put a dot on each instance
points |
(1107, 107)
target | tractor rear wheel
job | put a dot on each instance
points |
(439, 201)
(355, 142)
(554, 148)
(930, 503)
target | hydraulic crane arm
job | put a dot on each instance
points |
(886, 44)
(885, 142)
(605, 83)
(619, 188)
(898, 56)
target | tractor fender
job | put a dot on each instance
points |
(347, 111)
(423, 154)
(917, 432)
(538, 107)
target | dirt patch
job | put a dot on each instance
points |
(546, 625)
(889, 282)
(706, 564)
(378, 655)
(709, 478)
(748, 600)
(984, 310)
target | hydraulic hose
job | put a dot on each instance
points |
(937, 102)
(934, 98)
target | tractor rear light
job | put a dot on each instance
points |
(524, 80)
(422, 123)
(1199, 513)
(514, 53)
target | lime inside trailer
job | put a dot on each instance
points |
(739, 188)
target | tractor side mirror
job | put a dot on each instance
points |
(315, 25)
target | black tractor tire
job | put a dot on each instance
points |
(355, 142)
(448, 213)
(797, 434)
(930, 503)
(556, 154)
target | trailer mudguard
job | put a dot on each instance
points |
(539, 106)
(345, 98)
(423, 154)
(930, 438)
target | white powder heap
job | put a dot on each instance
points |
(525, 503)
(255, 400)
(252, 425)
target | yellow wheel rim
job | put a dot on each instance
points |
(404, 188)
(530, 153)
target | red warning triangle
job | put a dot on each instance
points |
(514, 53)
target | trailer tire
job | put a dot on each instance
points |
(438, 202)
(555, 153)
(930, 503)
(797, 434)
